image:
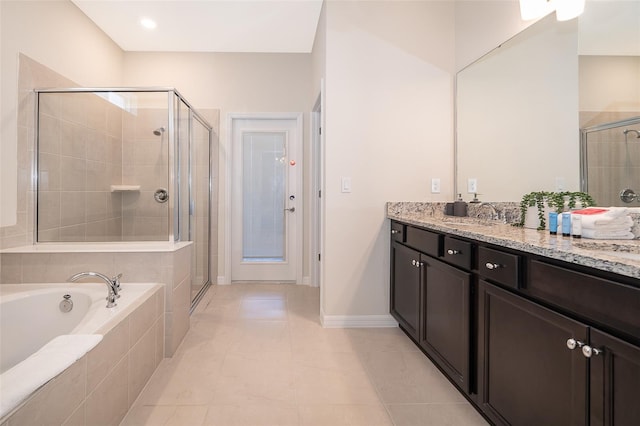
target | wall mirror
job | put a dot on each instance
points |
(520, 108)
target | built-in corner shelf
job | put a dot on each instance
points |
(125, 188)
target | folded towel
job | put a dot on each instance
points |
(20, 381)
(595, 216)
(607, 235)
(618, 222)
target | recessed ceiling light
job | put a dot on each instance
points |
(148, 23)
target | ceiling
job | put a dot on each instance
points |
(208, 25)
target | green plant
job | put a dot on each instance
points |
(555, 200)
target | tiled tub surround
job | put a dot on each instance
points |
(161, 262)
(101, 386)
(620, 257)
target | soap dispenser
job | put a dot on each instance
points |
(459, 207)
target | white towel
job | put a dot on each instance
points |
(618, 222)
(20, 381)
(604, 216)
(607, 235)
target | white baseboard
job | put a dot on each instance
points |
(222, 280)
(357, 321)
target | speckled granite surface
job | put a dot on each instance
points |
(620, 257)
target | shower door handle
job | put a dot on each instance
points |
(292, 209)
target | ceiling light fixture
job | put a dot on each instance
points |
(568, 9)
(565, 9)
(148, 23)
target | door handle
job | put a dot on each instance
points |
(292, 209)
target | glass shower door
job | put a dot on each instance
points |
(200, 206)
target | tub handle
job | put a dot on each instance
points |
(116, 283)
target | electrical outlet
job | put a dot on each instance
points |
(472, 186)
(435, 185)
(560, 184)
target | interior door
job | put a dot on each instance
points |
(266, 199)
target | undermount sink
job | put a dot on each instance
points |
(468, 221)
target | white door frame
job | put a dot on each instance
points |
(316, 190)
(228, 185)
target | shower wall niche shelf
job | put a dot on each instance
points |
(124, 188)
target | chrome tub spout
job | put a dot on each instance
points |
(113, 285)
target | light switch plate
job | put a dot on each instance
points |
(346, 184)
(435, 185)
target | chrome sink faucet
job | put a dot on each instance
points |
(495, 212)
(113, 285)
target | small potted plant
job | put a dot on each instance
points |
(540, 203)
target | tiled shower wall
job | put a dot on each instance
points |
(614, 164)
(80, 157)
(145, 162)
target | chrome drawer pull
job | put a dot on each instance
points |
(573, 343)
(492, 266)
(588, 351)
(452, 252)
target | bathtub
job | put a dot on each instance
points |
(32, 319)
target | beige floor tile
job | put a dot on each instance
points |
(435, 414)
(256, 378)
(262, 336)
(382, 340)
(264, 309)
(256, 355)
(322, 386)
(252, 415)
(343, 415)
(312, 337)
(409, 377)
(166, 415)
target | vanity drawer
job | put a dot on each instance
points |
(499, 267)
(605, 302)
(458, 252)
(425, 241)
(398, 231)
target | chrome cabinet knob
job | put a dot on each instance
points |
(492, 266)
(588, 351)
(573, 343)
(452, 252)
(395, 231)
(413, 262)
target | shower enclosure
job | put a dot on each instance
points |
(610, 162)
(124, 164)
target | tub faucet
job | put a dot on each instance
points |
(113, 285)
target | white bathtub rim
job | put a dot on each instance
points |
(110, 317)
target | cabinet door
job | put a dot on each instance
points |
(527, 374)
(405, 287)
(444, 331)
(614, 380)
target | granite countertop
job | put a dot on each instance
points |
(618, 256)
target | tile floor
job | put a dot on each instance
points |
(256, 355)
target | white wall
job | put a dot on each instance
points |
(389, 77)
(230, 82)
(481, 26)
(56, 34)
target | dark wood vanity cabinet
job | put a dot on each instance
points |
(431, 300)
(527, 375)
(405, 287)
(445, 318)
(529, 340)
(614, 381)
